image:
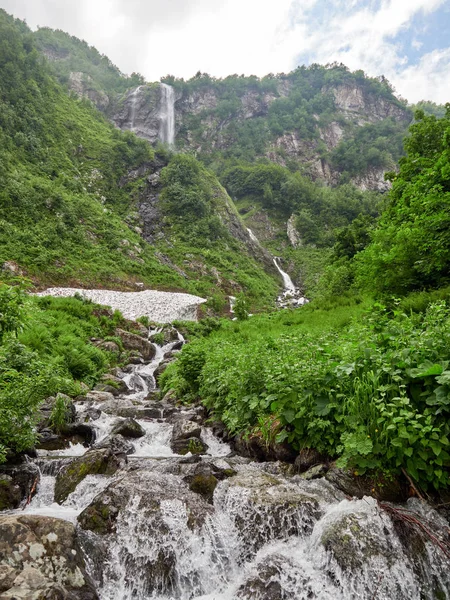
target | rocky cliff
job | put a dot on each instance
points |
(211, 121)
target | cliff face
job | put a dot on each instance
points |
(206, 124)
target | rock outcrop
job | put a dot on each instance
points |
(40, 557)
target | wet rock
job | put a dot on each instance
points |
(254, 446)
(129, 428)
(358, 486)
(170, 397)
(131, 341)
(161, 368)
(139, 412)
(152, 515)
(93, 462)
(167, 335)
(315, 472)
(17, 483)
(96, 396)
(307, 458)
(266, 507)
(186, 438)
(204, 478)
(276, 577)
(114, 380)
(103, 387)
(10, 493)
(75, 433)
(117, 444)
(40, 558)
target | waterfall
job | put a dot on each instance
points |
(252, 236)
(167, 115)
(133, 101)
(287, 281)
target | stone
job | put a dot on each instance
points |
(186, 438)
(308, 458)
(131, 341)
(117, 444)
(96, 461)
(40, 558)
(10, 494)
(17, 483)
(97, 396)
(358, 486)
(129, 428)
(150, 500)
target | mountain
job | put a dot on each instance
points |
(77, 197)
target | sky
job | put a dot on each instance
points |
(407, 41)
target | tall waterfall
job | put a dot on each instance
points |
(167, 115)
(133, 97)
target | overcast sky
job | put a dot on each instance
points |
(408, 41)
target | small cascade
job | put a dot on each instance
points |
(167, 115)
(252, 236)
(133, 98)
(292, 296)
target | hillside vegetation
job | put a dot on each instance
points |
(71, 186)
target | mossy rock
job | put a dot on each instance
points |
(10, 494)
(94, 462)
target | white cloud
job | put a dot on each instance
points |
(221, 37)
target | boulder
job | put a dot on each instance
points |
(204, 478)
(307, 458)
(97, 461)
(276, 577)
(186, 438)
(152, 516)
(40, 558)
(129, 428)
(97, 396)
(131, 341)
(117, 444)
(17, 483)
(358, 486)
(114, 380)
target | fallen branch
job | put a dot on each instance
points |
(411, 483)
(32, 492)
(407, 517)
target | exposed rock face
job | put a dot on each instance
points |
(40, 558)
(139, 111)
(131, 341)
(352, 100)
(292, 233)
(81, 84)
(16, 484)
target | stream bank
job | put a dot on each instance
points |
(148, 503)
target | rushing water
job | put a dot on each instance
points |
(265, 534)
(167, 115)
(133, 105)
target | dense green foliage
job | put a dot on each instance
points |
(45, 350)
(68, 204)
(301, 102)
(410, 249)
(372, 390)
(68, 54)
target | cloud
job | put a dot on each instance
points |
(222, 37)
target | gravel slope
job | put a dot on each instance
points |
(162, 307)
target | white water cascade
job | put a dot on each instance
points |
(133, 102)
(287, 281)
(263, 533)
(167, 115)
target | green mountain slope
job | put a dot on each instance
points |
(71, 189)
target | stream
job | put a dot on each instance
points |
(212, 525)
